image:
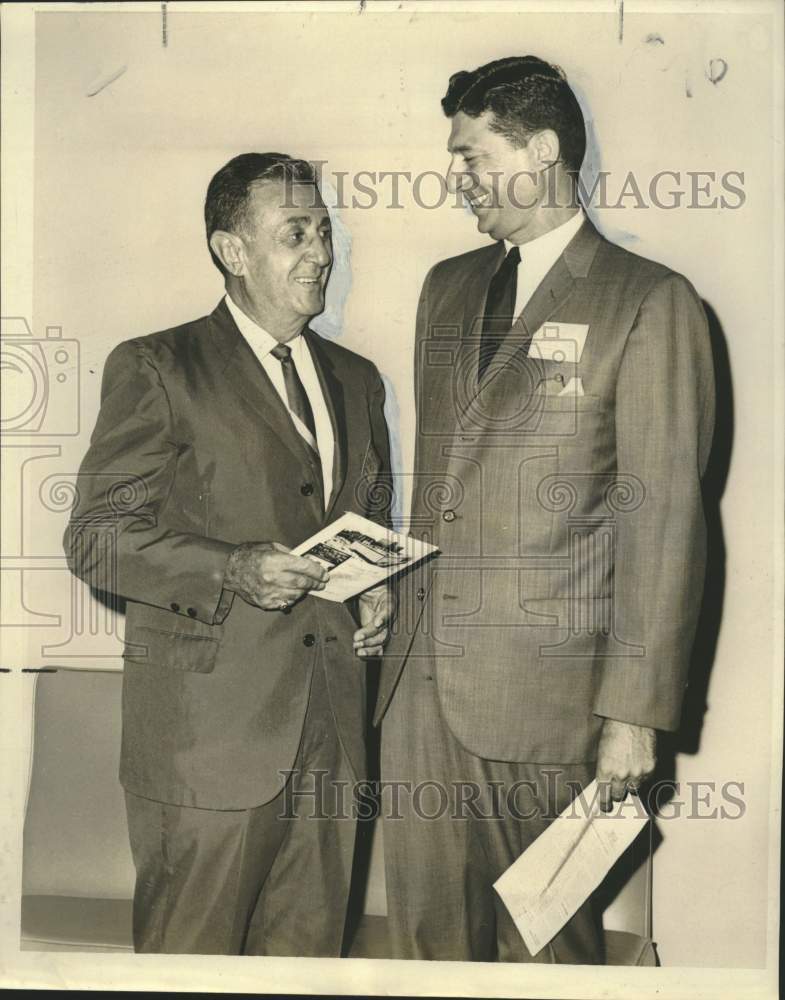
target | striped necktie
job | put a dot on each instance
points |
(297, 399)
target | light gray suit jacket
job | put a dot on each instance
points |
(571, 526)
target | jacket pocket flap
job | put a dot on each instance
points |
(177, 650)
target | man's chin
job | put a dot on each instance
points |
(310, 309)
(485, 224)
(313, 302)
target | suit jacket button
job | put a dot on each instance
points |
(307, 489)
(449, 515)
(192, 612)
(174, 606)
(309, 639)
(421, 594)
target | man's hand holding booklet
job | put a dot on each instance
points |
(359, 554)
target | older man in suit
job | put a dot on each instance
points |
(220, 445)
(565, 408)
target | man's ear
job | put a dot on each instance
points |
(228, 248)
(545, 148)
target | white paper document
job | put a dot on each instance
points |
(359, 554)
(566, 863)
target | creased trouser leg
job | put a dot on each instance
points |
(273, 880)
(444, 853)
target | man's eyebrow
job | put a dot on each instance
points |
(303, 220)
(460, 149)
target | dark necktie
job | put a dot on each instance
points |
(297, 398)
(499, 309)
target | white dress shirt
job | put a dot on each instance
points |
(262, 343)
(539, 255)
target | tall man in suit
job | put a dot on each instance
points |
(219, 445)
(564, 415)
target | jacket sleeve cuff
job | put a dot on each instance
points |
(200, 592)
(630, 691)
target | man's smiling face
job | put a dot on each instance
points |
(287, 251)
(498, 181)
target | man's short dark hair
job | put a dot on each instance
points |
(226, 204)
(525, 95)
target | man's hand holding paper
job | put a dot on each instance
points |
(625, 758)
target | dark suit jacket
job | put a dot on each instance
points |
(194, 452)
(571, 526)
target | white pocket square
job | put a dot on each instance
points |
(573, 388)
(559, 342)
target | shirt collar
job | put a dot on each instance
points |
(261, 341)
(552, 244)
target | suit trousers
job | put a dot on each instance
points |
(273, 880)
(453, 822)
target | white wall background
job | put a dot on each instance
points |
(119, 251)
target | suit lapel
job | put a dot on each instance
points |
(553, 290)
(476, 290)
(446, 351)
(248, 379)
(559, 283)
(332, 390)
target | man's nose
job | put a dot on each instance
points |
(321, 252)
